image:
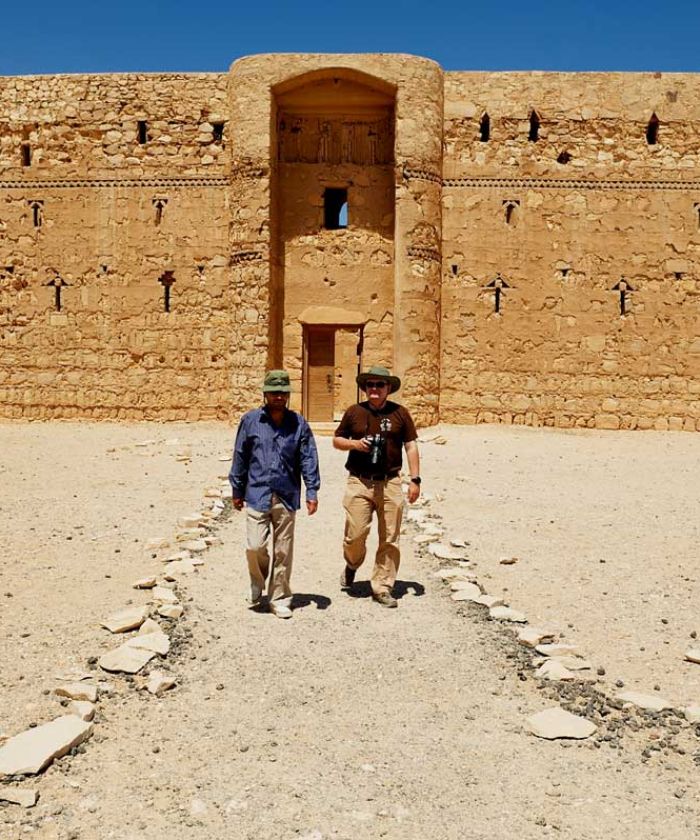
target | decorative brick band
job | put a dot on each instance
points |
(416, 174)
(424, 254)
(569, 184)
(73, 183)
(239, 257)
(422, 175)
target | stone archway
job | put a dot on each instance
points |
(333, 195)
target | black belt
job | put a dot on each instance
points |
(375, 476)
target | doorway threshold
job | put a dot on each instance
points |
(323, 429)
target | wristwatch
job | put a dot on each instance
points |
(416, 480)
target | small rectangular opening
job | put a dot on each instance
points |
(335, 208)
(653, 130)
(26, 154)
(534, 133)
(218, 133)
(485, 128)
(142, 132)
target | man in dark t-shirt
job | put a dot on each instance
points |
(373, 433)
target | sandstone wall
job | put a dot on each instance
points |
(578, 198)
(562, 219)
(92, 207)
(351, 268)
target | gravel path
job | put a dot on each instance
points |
(349, 721)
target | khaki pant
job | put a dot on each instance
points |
(258, 526)
(362, 498)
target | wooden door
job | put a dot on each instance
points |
(348, 349)
(320, 373)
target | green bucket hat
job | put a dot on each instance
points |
(277, 380)
(379, 372)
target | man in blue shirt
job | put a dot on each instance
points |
(274, 449)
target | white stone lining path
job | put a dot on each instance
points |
(552, 661)
(32, 751)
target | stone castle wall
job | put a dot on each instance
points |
(561, 220)
(117, 192)
(105, 216)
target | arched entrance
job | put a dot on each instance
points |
(332, 235)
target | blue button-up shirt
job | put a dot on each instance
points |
(271, 459)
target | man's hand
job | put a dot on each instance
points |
(413, 492)
(311, 507)
(237, 503)
(348, 444)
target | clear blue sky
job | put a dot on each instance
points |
(50, 36)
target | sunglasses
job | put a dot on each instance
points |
(373, 384)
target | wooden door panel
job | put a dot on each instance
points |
(320, 374)
(347, 363)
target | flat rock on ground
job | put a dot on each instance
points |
(31, 751)
(499, 613)
(26, 797)
(170, 610)
(159, 683)
(156, 642)
(490, 601)
(77, 691)
(467, 582)
(126, 619)
(692, 714)
(650, 702)
(550, 669)
(82, 708)
(533, 636)
(160, 594)
(125, 659)
(466, 593)
(446, 552)
(558, 723)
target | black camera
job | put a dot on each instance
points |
(376, 449)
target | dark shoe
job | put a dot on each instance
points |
(255, 595)
(347, 578)
(386, 599)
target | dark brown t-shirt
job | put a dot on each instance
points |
(395, 425)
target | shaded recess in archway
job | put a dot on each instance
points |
(333, 136)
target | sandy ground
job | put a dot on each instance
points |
(351, 721)
(606, 529)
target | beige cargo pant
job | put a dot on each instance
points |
(259, 523)
(362, 498)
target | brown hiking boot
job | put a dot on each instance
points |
(347, 578)
(386, 599)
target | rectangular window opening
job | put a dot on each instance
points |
(335, 208)
(653, 130)
(485, 129)
(534, 133)
(26, 154)
(218, 133)
(142, 132)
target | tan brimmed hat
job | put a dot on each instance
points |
(378, 372)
